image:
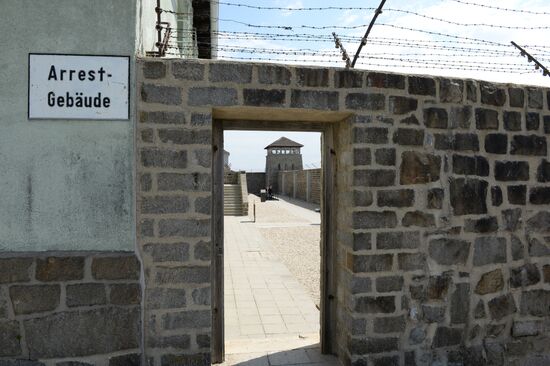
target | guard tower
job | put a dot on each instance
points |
(283, 154)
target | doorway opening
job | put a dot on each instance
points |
(262, 294)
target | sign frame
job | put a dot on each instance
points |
(128, 113)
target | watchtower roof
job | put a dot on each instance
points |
(284, 142)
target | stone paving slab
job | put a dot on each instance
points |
(270, 320)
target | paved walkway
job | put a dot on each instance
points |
(269, 317)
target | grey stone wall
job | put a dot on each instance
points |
(255, 182)
(304, 185)
(442, 216)
(77, 307)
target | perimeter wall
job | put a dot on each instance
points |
(443, 242)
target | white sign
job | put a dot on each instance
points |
(78, 87)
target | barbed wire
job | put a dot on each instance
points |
(501, 8)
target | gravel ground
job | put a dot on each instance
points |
(298, 246)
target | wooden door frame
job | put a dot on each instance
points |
(328, 225)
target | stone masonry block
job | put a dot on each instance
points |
(312, 77)
(496, 196)
(362, 198)
(161, 158)
(471, 91)
(173, 252)
(165, 298)
(360, 285)
(169, 95)
(146, 228)
(509, 171)
(374, 305)
(535, 303)
(419, 219)
(185, 137)
(370, 263)
(540, 222)
(517, 195)
(366, 101)
(348, 79)
(457, 142)
(364, 346)
(203, 205)
(86, 294)
(470, 165)
(202, 251)
(83, 333)
(34, 298)
(201, 119)
(362, 241)
(408, 137)
(395, 198)
(193, 71)
(168, 118)
(198, 182)
(373, 178)
(190, 228)
(535, 98)
(116, 268)
(370, 135)
(436, 118)
(539, 196)
(489, 250)
(268, 74)
(460, 117)
(164, 204)
(388, 81)
(201, 157)
(394, 324)
(125, 294)
(10, 339)
(492, 95)
(483, 225)
(201, 296)
(445, 337)
(385, 156)
(419, 168)
(176, 275)
(398, 240)
(468, 196)
(231, 72)
(411, 261)
(517, 97)
(212, 96)
(523, 276)
(512, 121)
(154, 70)
(451, 91)
(361, 156)
(449, 251)
(402, 105)
(15, 269)
(532, 145)
(264, 98)
(532, 121)
(373, 219)
(187, 320)
(389, 284)
(496, 143)
(421, 86)
(435, 198)
(486, 119)
(490, 282)
(313, 99)
(460, 304)
(502, 306)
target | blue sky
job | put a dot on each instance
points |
(390, 43)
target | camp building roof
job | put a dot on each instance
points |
(284, 142)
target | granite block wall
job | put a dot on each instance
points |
(442, 216)
(71, 307)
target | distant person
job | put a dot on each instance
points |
(270, 192)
